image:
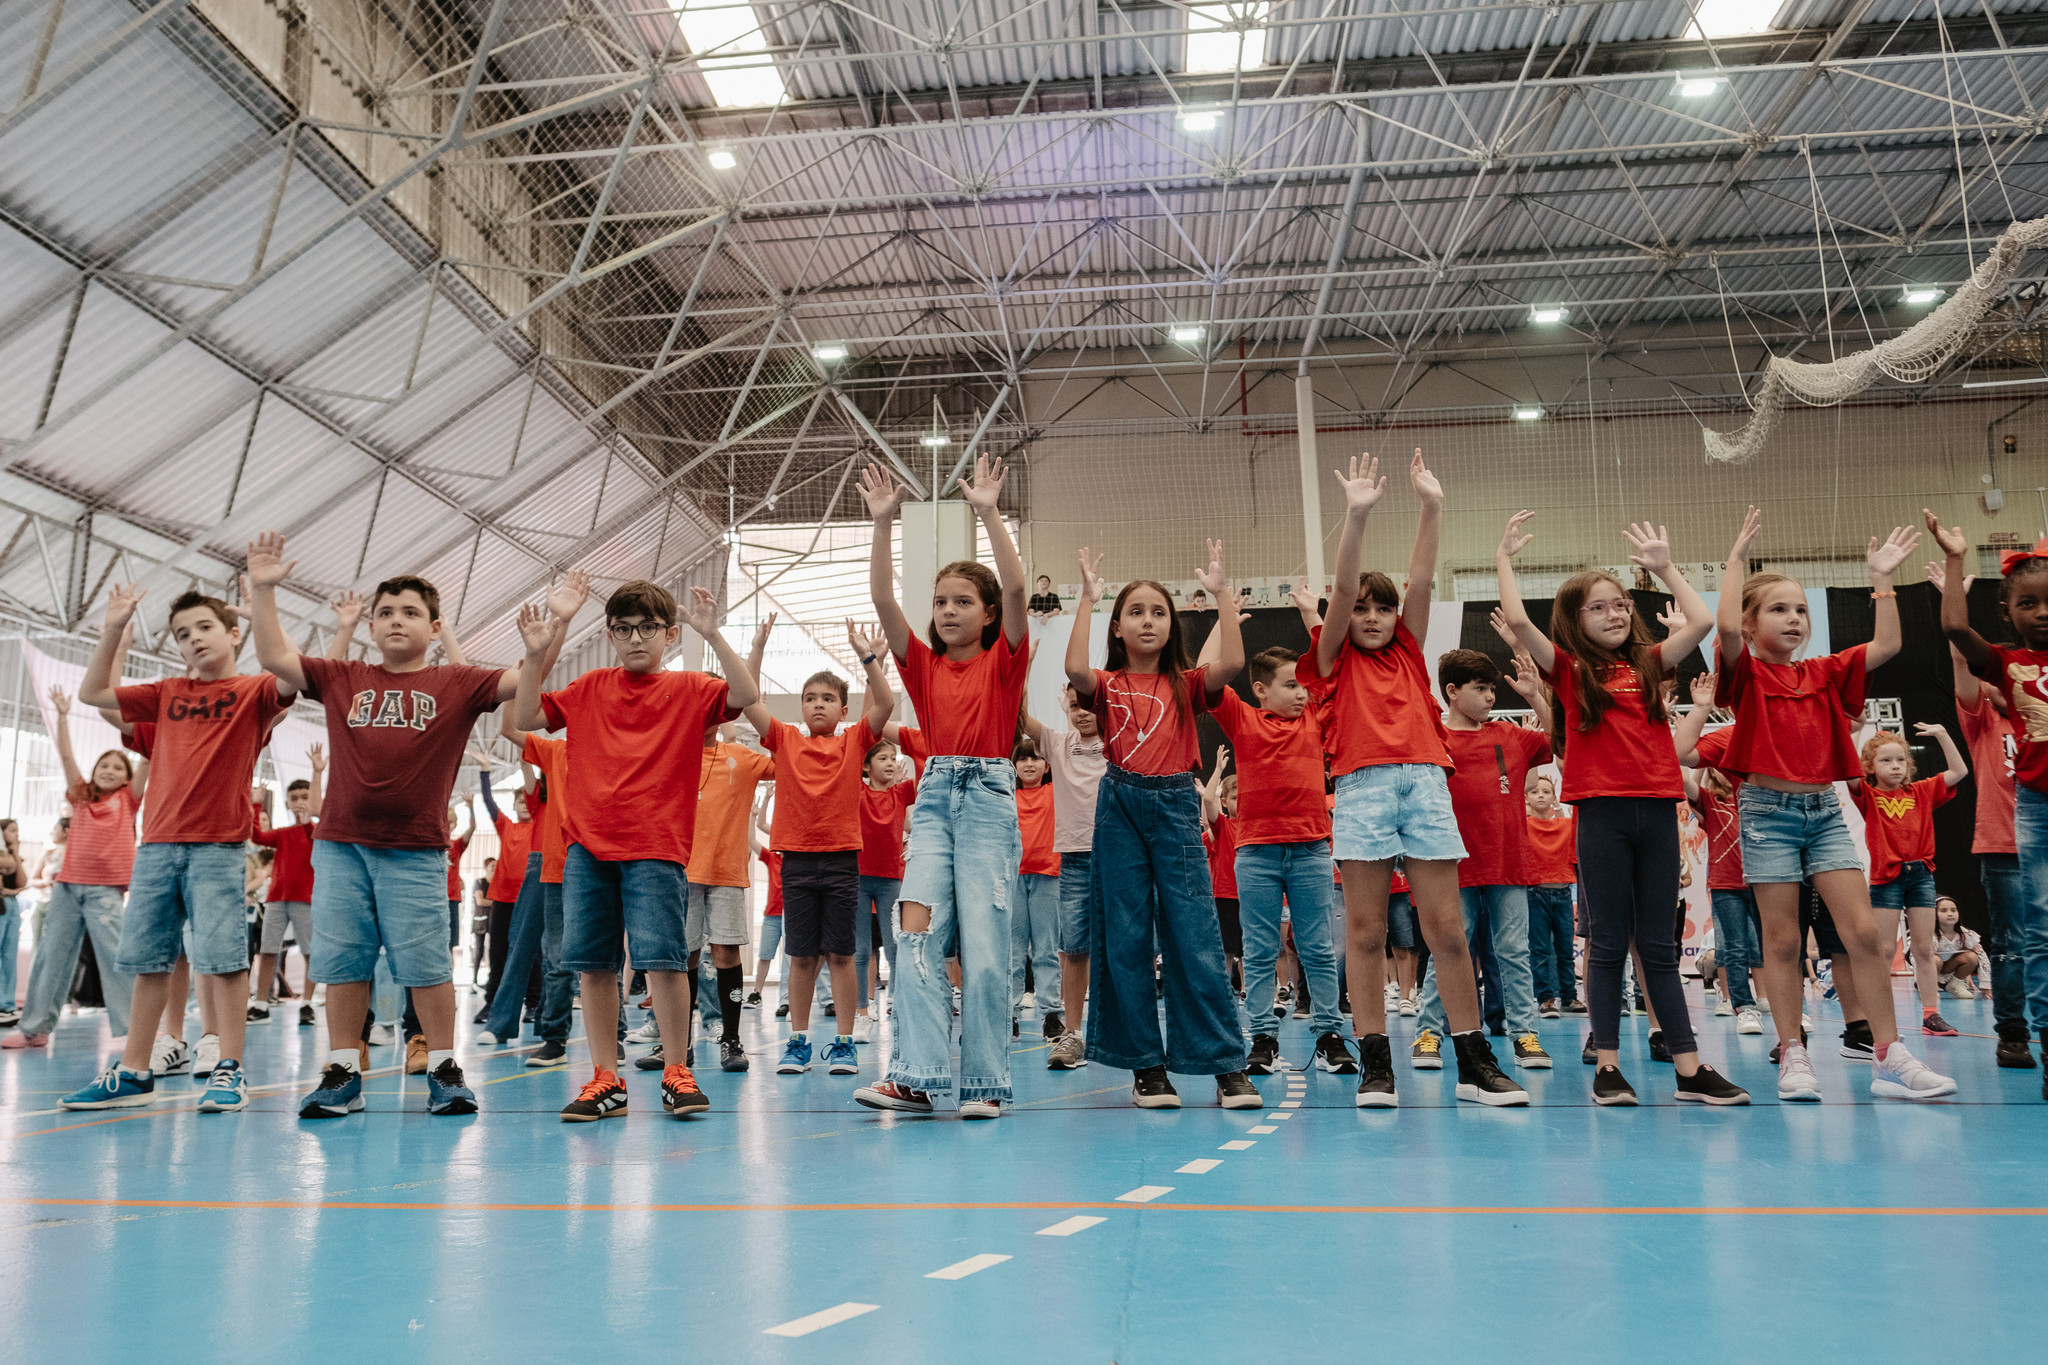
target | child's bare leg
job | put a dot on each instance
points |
(1847, 896)
(1365, 941)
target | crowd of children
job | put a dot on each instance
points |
(1378, 816)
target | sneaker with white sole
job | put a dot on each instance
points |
(206, 1056)
(900, 1099)
(796, 1056)
(1708, 1086)
(1529, 1053)
(169, 1056)
(1480, 1079)
(227, 1090)
(841, 1059)
(1749, 1019)
(1409, 1009)
(1376, 1073)
(863, 1029)
(1797, 1081)
(1427, 1053)
(649, 1032)
(1150, 1089)
(981, 1109)
(381, 1035)
(115, 1088)
(486, 1038)
(1722, 1008)
(1899, 1075)
(1069, 1052)
(339, 1093)
(1234, 1090)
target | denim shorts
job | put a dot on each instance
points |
(1912, 888)
(1401, 928)
(718, 914)
(365, 898)
(641, 903)
(771, 937)
(1790, 836)
(1396, 810)
(176, 883)
(1075, 889)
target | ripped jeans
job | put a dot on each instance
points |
(964, 851)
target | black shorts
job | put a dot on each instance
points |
(1813, 914)
(1233, 927)
(820, 892)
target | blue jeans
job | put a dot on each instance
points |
(2030, 835)
(771, 938)
(366, 898)
(1550, 943)
(1738, 942)
(10, 950)
(1491, 1012)
(1503, 912)
(536, 930)
(1077, 886)
(1034, 935)
(877, 905)
(178, 886)
(1302, 873)
(2004, 903)
(606, 905)
(964, 851)
(73, 912)
(1152, 886)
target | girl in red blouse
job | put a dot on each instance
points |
(1898, 829)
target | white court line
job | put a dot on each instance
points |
(1237, 1146)
(1282, 1115)
(1078, 1223)
(803, 1327)
(1199, 1167)
(960, 1270)
(1144, 1194)
(1290, 1104)
(1264, 1128)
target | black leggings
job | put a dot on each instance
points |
(1628, 872)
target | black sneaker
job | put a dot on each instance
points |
(2015, 1053)
(651, 1062)
(680, 1095)
(547, 1054)
(731, 1055)
(1708, 1086)
(1931, 1024)
(259, 1014)
(1265, 1055)
(1589, 1054)
(603, 1098)
(306, 1016)
(1054, 1026)
(1016, 1030)
(1332, 1056)
(753, 1000)
(1610, 1087)
(1658, 1051)
(1480, 1078)
(1857, 1043)
(782, 1010)
(1376, 1073)
(1151, 1090)
(1235, 1091)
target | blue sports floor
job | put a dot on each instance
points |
(1076, 1228)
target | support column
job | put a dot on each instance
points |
(1311, 479)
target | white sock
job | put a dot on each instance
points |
(434, 1059)
(345, 1056)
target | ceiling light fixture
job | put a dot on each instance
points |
(1200, 120)
(1548, 313)
(722, 160)
(1698, 87)
(1527, 414)
(828, 351)
(1918, 293)
(1188, 335)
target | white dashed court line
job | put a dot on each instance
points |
(1199, 1167)
(1144, 1194)
(960, 1270)
(1264, 1128)
(1078, 1223)
(1282, 1115)
(1238, 1146)
(1290, 1104)
(803, 1327)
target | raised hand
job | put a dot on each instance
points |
(1423, 482)
(1213, 578)
(1091, 576)
(1513, 540)
(987, 486)
(267, 564)
(1937, 574)
(1949, 538)
(1499, 621)
(566, 598)
(1746, 538)
(1305, 598)
(1672, 619)
(60, 699)
(864, 645)
(883, 494)
(240, 610)
(1885, 556)
(316, 756)
(761, 632)
(1703, 690)
(348, 609)
(478, 755)
(1650, 547)
(1365, 484)
(702, 616)
(1926, 731)
(122, 599)
(1525, 679)
(536, 628)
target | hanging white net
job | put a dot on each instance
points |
(1911, 357)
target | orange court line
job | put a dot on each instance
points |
(1652, 1210)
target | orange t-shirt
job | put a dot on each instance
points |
(725, 802)
(1034, 821)
(817, 787)
(551, 756)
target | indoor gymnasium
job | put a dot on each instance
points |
(1109, 680)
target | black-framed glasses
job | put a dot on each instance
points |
(645, 630)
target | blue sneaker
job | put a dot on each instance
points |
(841, 1059)
(227, 1090)
(446, 1094)
(340, 1092)
(120, 1088)
(796, 1056)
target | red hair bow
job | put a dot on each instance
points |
(2012, 559)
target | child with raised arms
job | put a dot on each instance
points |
(966, 680)
(1898, 831)
(1150, 873)
(289, 901)
(1393, 796)
(1610, 733)
(1035, 908)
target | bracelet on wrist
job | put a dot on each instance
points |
(869, 659)
(1877, 596)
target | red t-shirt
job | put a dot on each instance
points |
(1143, 731)
(515, 841)
(1623, 754)
(1381, 709)
(632, 795)
(1553, 849)
(551, 757)
(1280, 796)
(969, 709)
(2022, 674)
(291, 872)
(1490, 767)
(1034, 822)
(101, 851)
(910, 742)
(1722, 819)
(817, 787)
(394, 742)
(1397, 886)
(882, 814)
(455, 852)
(208, 737)
(1898, 826)
(1222, 844)
(1792, 720)
(1987, 734)
(773, 862)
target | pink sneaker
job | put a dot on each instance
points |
(15, 1041)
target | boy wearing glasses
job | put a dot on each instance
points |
(631, 813)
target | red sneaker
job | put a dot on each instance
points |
(603, 1098)
(889, 1095)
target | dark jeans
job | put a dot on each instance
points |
(501, 934)
(1628, 868)
(2005, 901)
(1492, 1004)
(535, 940)
(1550, 943)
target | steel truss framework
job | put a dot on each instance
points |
(1001, 209)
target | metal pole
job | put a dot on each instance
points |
(1311, 480)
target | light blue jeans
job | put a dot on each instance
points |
(10, 951)
(1302, 873)
(1506, 912)
(964, 850)
(2030, 836)
(73, 912)
(1034, 936)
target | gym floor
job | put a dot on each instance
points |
(792, 1224)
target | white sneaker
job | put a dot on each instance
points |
(1899, 1075)
(206, 1056)
(649, 1032)
(1796, 1080)
(1748, 1020)
(1408, 1010)
(168, 1056)
(863, 1029)
(486, 1038)
(1722, 1009)
(1029, 1002)
(381, 1035)
(1393, 993)
(1806, 1021)
(1764, 1003)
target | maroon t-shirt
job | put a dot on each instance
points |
(395, 741)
